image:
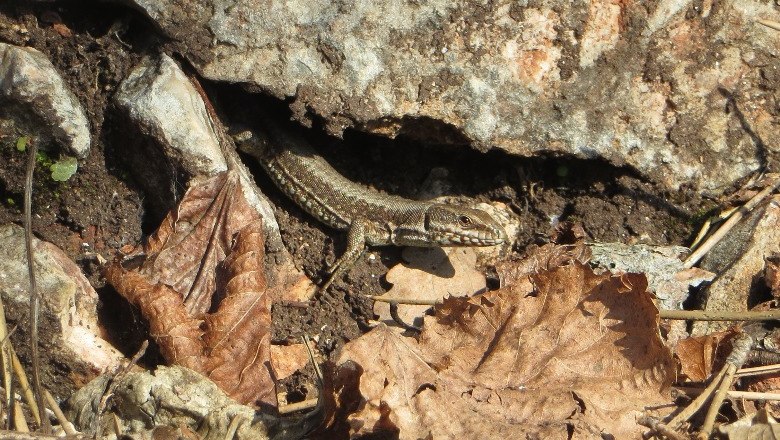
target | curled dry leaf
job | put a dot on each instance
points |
(569, 350)
(207, 255)
(699, 356)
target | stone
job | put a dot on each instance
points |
(31, 86)
(681, 95)
(171, 119)
(739, 260)
(169, 398)
(72, 344)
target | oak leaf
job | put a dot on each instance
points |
(568, 351)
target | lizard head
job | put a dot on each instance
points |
(449, 225)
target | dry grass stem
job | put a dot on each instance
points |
(24, 384)
(55, 407)
(717, 315)
(742, 345)
(729, 224)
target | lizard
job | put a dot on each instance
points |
(370, 217)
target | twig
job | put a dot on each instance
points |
(756, 371)
(235, 424)
(55, 407)
(769, 23)
(717, 315)
(746, 395)
(120, 373)
(34, 298)
(297, 406)
(729, 224)
(698, 402)
(657, 427)
(13, 435)
(742, 345)
(411, 302)
(5, 356)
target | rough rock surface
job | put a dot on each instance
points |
(171, 400)
(30, 85)
(739, 261)
(681, 90)
(72, 344)
(163, 105)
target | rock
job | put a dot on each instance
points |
(653, 87)
(72, 344)
(171, 118)
(667, 278)
(170, 398)
(30, 85)
(738, 260)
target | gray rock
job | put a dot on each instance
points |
(70, 337)
(168, 399)
(739, 260)
(682, 95)
(29, 83)
(162, 104)
(667, 278)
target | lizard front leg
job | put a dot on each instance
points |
(356, 244)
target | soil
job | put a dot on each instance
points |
(101, 208)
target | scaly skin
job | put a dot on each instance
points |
(370, 217)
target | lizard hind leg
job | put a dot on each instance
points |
(356, 244)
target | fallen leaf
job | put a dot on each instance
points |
(287, 359)
(430, 274)
(699, 356)
(760, 426)
(202, 287)
(569, 353)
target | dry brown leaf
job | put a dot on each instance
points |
(208, 254)
(430, 274)
(287, 359)
(698, 356)
(577, 352)
(759, 426)
(192, 240)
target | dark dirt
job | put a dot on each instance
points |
(101, 208)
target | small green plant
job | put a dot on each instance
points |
(21, 143)
(64, 169)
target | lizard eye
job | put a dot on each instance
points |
(464, 220)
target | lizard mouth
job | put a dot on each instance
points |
(476, 238)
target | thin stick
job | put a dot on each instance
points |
(55, 407)
(717, 315)
(408, 301)
(657, 427)
(698, 402)
(769, 23)
(24, 384)
(235, 424)
(13, 435)
(729, 224)
(755, 371)
(747, 395)
(297, 406)
(742, 345)
(5, 356)
(121, 372)
(34, 298)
